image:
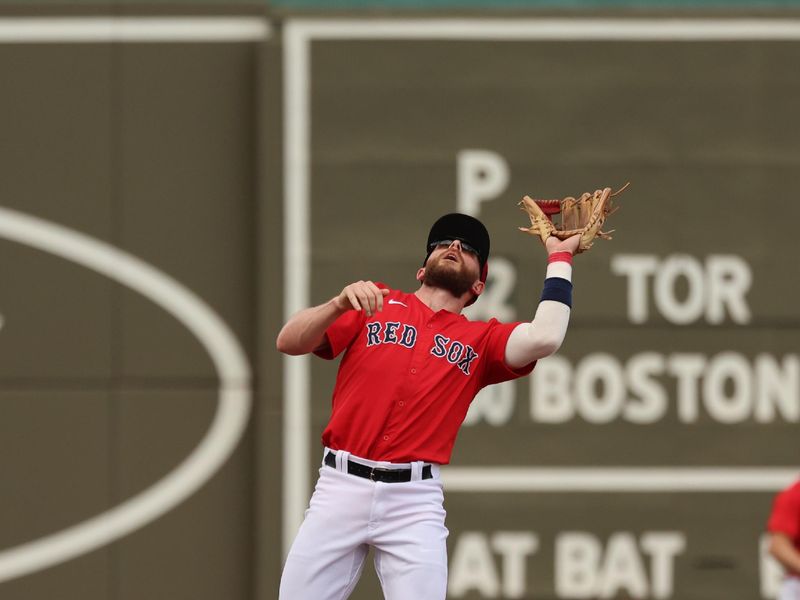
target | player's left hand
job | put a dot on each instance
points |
(553, 244)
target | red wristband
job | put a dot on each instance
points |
(560, 257)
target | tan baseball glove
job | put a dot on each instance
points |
(584, 216)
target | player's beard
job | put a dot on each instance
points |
(455, 278)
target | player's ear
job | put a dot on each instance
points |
(478, 287)
(420, 274)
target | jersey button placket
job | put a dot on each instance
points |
(420, 352)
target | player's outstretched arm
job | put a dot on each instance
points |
(543, 336)
(305, 331)
(782, 548)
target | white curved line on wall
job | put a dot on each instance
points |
(224, 433)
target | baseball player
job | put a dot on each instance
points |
(412, 364)
(784, 543)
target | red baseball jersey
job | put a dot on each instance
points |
(408, 376)
(785, 516)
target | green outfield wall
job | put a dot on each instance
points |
(531, 4)
(178, 180)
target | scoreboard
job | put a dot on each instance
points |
(640, 461)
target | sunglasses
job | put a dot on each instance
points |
(447, 243)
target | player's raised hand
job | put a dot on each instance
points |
(362, 295)
(553, 244)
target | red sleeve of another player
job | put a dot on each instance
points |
(496, 370)
(785, 516)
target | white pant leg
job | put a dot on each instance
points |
(410, 540)
(327, 556)
(790, 589)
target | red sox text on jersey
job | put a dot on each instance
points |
(394, 332)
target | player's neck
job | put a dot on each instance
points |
(440, 299)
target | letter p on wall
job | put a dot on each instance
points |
(482, 175)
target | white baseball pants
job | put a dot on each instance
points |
(790, 589)
(403, 522)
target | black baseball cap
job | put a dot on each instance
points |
(457, 226)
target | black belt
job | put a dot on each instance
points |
(376, 473)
